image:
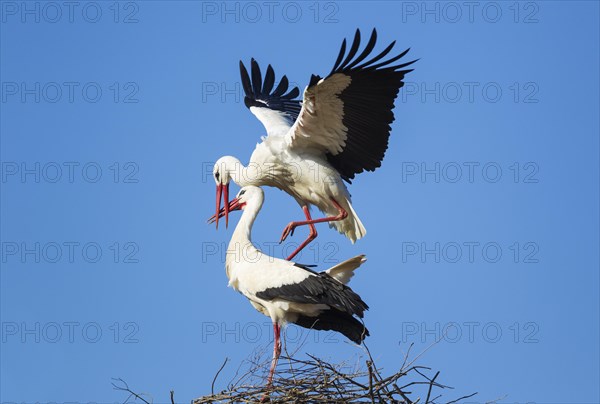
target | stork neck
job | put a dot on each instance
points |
(241, 242)
(242, 175)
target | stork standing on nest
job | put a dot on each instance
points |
(340, 129)
(288, 292)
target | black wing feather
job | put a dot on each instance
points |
(281, 87)
(256, 77)
(269, 80)
(353, 48)
(293, 94)
(319, 289)
(368, 49)
(381, 55)
(368, 102)
(246, 84)
(259, 94)
(340, 56)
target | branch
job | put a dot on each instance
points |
(125, 387)
(212, 386)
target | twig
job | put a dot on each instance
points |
(126, 388)
(461, 398)
(212, 386)
(407, 355)
(370, 367)
(431, 387)
(425, 350)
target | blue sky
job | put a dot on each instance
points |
(482, 222)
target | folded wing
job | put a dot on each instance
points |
(318, 289)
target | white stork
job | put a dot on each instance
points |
(340, 129)
(288, 292)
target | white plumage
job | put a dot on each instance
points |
(287, 292)
(339, 129)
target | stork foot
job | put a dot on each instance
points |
(288, 231)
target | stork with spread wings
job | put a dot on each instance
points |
(339, 129)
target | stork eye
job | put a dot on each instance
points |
(242, 192)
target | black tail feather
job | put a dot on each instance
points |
(335, 320)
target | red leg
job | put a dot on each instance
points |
(276, 353)
(311, 236)
(289, 229)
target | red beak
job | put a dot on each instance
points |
(230, 207)
(224, 190)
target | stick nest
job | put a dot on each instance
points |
(316, 380)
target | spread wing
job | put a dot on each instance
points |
(347, 115)
(276, 110)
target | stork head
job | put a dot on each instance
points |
(222, 173)
(249, 195)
